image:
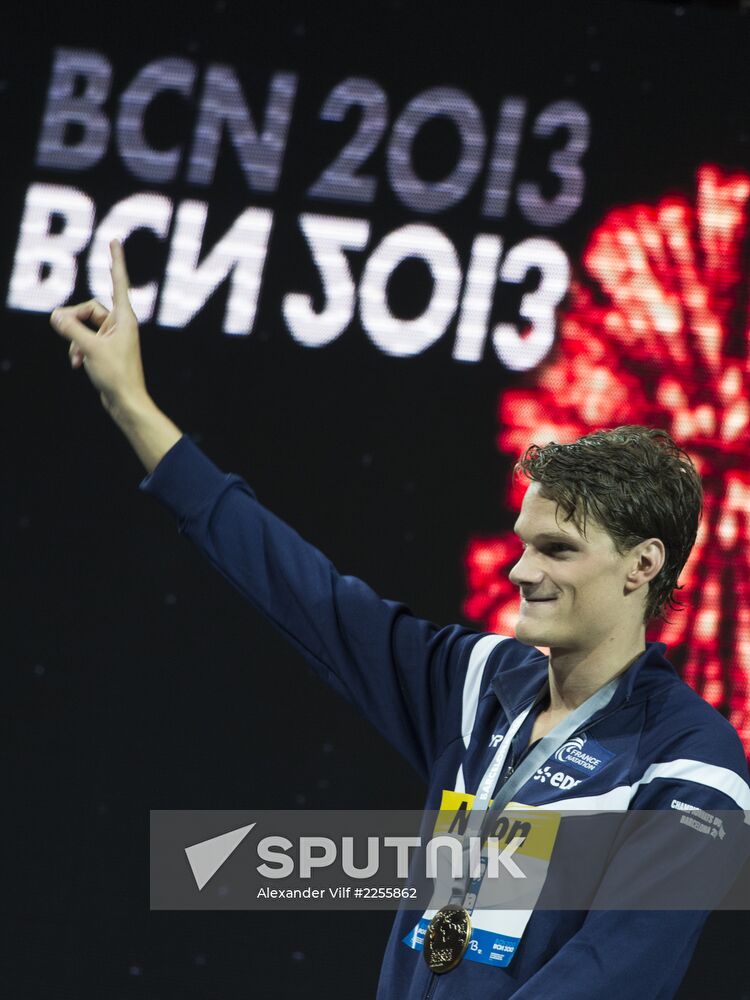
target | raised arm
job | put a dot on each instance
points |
(111, 356)
(403, 673)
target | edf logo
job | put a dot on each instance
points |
(558, 780)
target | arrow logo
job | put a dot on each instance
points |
(207, 857)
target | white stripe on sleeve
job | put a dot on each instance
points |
(473, 680)
(472, 684)
(619, 798)
(711, 775)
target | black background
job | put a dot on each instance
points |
(135, 677)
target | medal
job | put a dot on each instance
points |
(447, 938)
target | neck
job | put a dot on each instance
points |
(574, 675)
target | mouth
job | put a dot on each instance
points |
(537, 600)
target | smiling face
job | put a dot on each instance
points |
(576, 592)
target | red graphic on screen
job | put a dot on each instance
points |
(658, 334)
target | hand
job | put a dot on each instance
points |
(112, 355)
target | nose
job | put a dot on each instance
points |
(525, 574)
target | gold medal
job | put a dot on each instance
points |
(447, 938)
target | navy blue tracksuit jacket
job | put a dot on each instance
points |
(442, 696)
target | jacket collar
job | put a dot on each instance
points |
(515, 685)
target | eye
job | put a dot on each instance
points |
(553, 547)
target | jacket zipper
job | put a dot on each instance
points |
(430, 987)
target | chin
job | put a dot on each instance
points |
(531, 636)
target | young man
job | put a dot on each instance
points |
(458, 703)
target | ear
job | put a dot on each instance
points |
(646, 560)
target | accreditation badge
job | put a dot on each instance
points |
(493, 932)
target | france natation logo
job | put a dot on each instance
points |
(584, 754)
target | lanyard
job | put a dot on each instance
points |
(465, 890)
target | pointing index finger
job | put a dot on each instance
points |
(120, 281)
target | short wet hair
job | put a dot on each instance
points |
(636, 483)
